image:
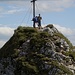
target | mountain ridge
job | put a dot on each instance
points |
(33, 51)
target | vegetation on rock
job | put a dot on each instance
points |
(36, 51)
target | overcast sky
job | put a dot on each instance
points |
(14, 13)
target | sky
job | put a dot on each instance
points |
(14, 13)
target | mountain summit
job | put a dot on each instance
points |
(33, 51)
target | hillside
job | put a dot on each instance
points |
(33, 51)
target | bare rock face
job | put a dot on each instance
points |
(32, 51)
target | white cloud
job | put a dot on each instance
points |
(18, 3)
(41, 5)
(7, 31)
(5, 34)
(13, 11)
(55, 5)
(10, 10)
(2, 43)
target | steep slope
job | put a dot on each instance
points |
(33, 51)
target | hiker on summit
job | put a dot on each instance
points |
(35, 20)
(39, 21)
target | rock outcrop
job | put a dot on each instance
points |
(33, 51)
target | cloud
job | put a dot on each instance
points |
(55, 5)
(20, 3)
(2, 43)
(5, 34)
(6, 31)
(13, 11)
(10, 10)
(45, 6)
(41, 6)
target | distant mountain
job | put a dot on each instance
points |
(33, 51)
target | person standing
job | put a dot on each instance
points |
(39, 21)
(35, 20)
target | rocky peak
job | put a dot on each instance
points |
(33, 51)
